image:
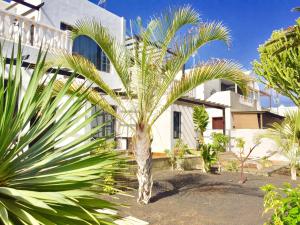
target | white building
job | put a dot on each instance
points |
(49, 21)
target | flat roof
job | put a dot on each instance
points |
(208, 104)
(257, 111)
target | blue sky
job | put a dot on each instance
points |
(251, 22)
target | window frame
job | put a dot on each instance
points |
(110, 124)
(177, 127)
(101, 61)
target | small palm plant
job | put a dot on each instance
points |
(209, 157)
(287, 137)
(46, 177)
(200, 119)
(147, 72)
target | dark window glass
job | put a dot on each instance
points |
(176, 124)
(64, 26)
(105, 119)
(86, 47)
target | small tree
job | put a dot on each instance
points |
(200, 118)
(147, 72)
(242, 157)
(279, 63)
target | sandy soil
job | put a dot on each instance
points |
(193, 198)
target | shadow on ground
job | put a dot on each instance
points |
(192, 183)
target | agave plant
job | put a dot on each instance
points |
(46, 176)
(287, 136)
(147, 71)
(200, 119)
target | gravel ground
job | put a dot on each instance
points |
(194, 198)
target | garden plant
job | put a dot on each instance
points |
(45, 179)
(284, 203)
(287, 137)
(242, 157)
(200, 119)
(209, 157)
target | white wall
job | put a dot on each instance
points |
(162, 132)
(265, 148)
(188, 134)
(70, 11)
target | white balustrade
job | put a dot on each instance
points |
(32, 33)
(246, 100)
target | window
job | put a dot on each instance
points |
(217, 123)
(105, 119)
(86, 47)
(176, 124)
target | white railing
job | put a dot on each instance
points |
(32, 33)
(246, 100)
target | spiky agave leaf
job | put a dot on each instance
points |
(46, 176)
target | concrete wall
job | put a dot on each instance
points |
(56, 11)
(188, 134)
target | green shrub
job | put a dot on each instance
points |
(232, 166)
(220, 141)
(176, 155)
(284, 204)
(209, 157)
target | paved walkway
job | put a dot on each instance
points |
(128, 220)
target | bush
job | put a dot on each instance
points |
(209, 156)
(176, 155)
(232, 166)
(220, 141)
(284, 203)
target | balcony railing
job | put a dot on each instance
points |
(246, 100)
(32, 33)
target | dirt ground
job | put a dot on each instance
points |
(193, 198)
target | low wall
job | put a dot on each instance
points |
(163, 163)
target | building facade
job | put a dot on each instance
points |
(48, 22)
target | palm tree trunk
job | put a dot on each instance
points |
(142, 150)
(293, 172)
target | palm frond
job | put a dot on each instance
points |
(82, 66)
(216, 69)
(113, 49)
(185, 48)
(286, 135)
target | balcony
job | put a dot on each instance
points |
(32, 33)
(246, 100)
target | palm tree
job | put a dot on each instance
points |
(46, 177)
(287, 136)
(200, 119)
(147, 71)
